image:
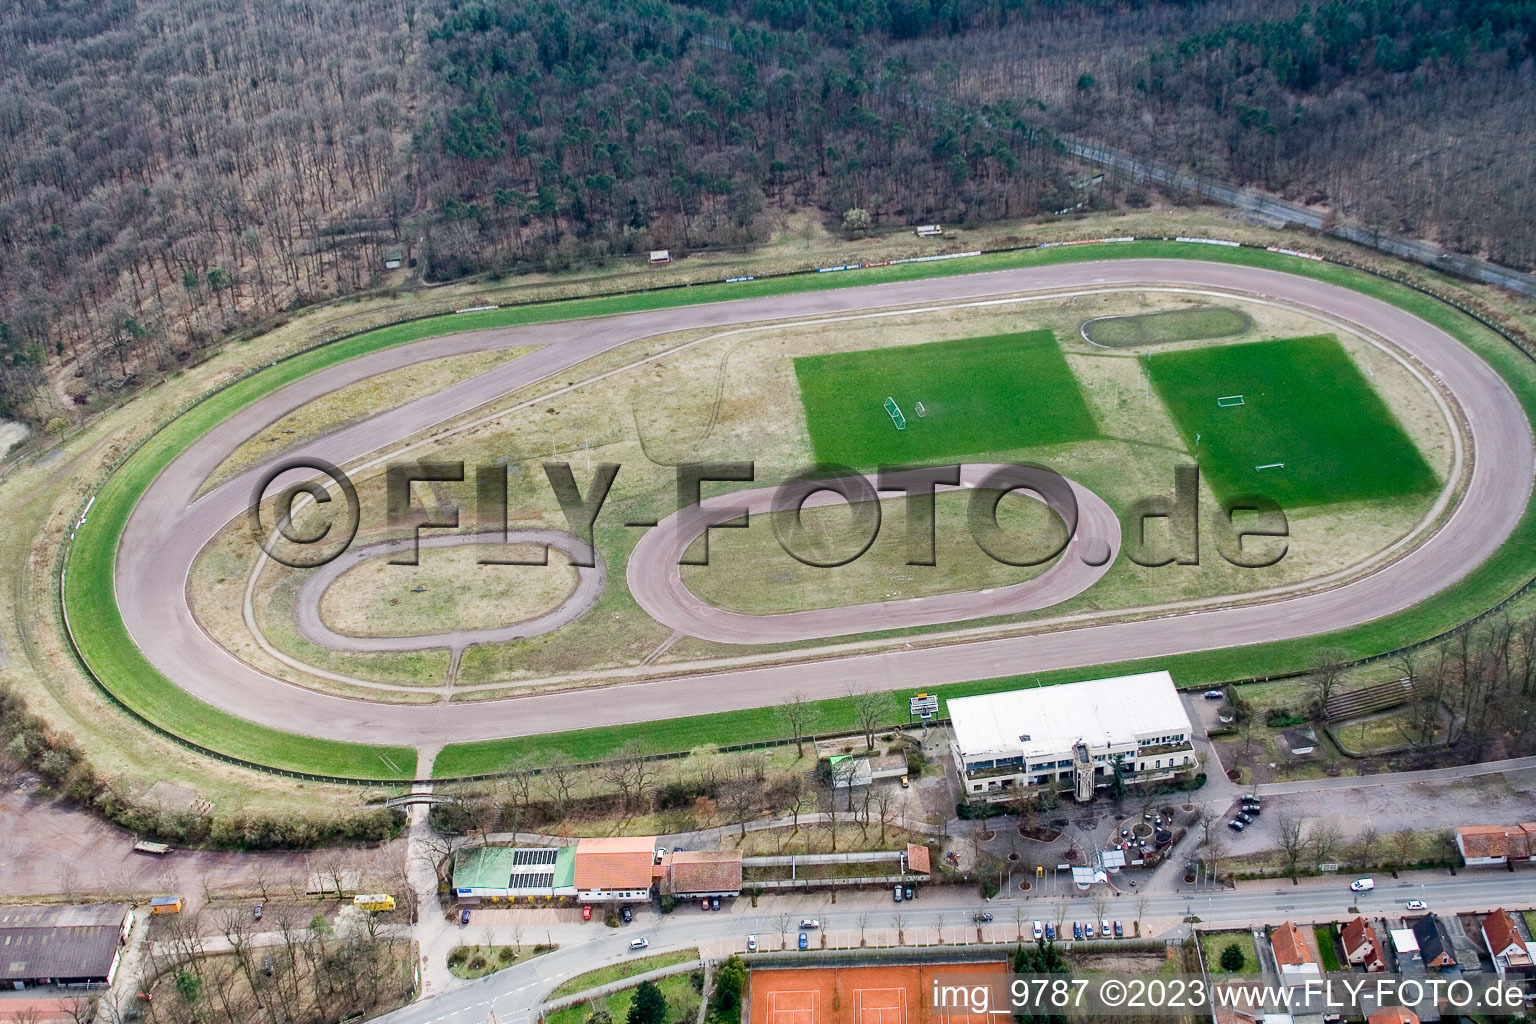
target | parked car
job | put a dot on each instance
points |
(909, 893)
(810, 924)
(661, 853)
(751, 943)
(1215, 695)
(896, 893)
(626, 915)
(1039, 930)
(1254, 809)
(677, 849)
(981, 917)
(1077, 929)
(586, 912)
(256, 911)
(1088, 930)
(1237, 825)
(1119, 930)
(1104, 927)
(714, 903)
(1362, 884)
(1417, 905)
(635, 944)
(1245, 817)
(464, 915)
(1050, 931)
(905, 782)
(805, 941)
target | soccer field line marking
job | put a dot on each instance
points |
(1270, 465)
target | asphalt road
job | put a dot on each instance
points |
(171, 524)
(515, 994)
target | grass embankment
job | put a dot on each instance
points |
(124, 671)
(620, 971)
(682, 1003)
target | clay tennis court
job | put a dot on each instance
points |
(897, 994)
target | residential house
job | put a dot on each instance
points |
(1292, 954)
(1434, 940)
(1362, 947)
(1511, 956)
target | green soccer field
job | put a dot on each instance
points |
(1306, 415)
(978, 396)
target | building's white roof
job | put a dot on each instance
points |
(1056, 717)
(1403, 940)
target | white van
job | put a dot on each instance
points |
(1363, 884)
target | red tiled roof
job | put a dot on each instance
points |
(1290, 946)
(1500, 930)
(917, 858)
(1393, 1015)
(706, 871)
(1360, 933)
(622, 862)
(1488, 840)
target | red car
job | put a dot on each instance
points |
(586, 912)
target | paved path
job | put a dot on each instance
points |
(171, 524)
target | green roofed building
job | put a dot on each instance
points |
(496, 873)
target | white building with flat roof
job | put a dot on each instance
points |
(1071, 735)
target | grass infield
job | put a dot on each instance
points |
(1163, 328)
(1293, 420)
(977, 395)
(109, 651)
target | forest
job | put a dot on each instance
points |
(172, 172)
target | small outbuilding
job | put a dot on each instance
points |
(696, 874)
(165, 905)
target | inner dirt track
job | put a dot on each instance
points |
(656, 582)
(170, 524)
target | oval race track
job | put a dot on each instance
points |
(168, 527)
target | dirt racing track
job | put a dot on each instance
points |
(171, 524)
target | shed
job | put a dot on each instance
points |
(660, 256)
(165, 905)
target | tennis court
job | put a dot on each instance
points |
(894, 994)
